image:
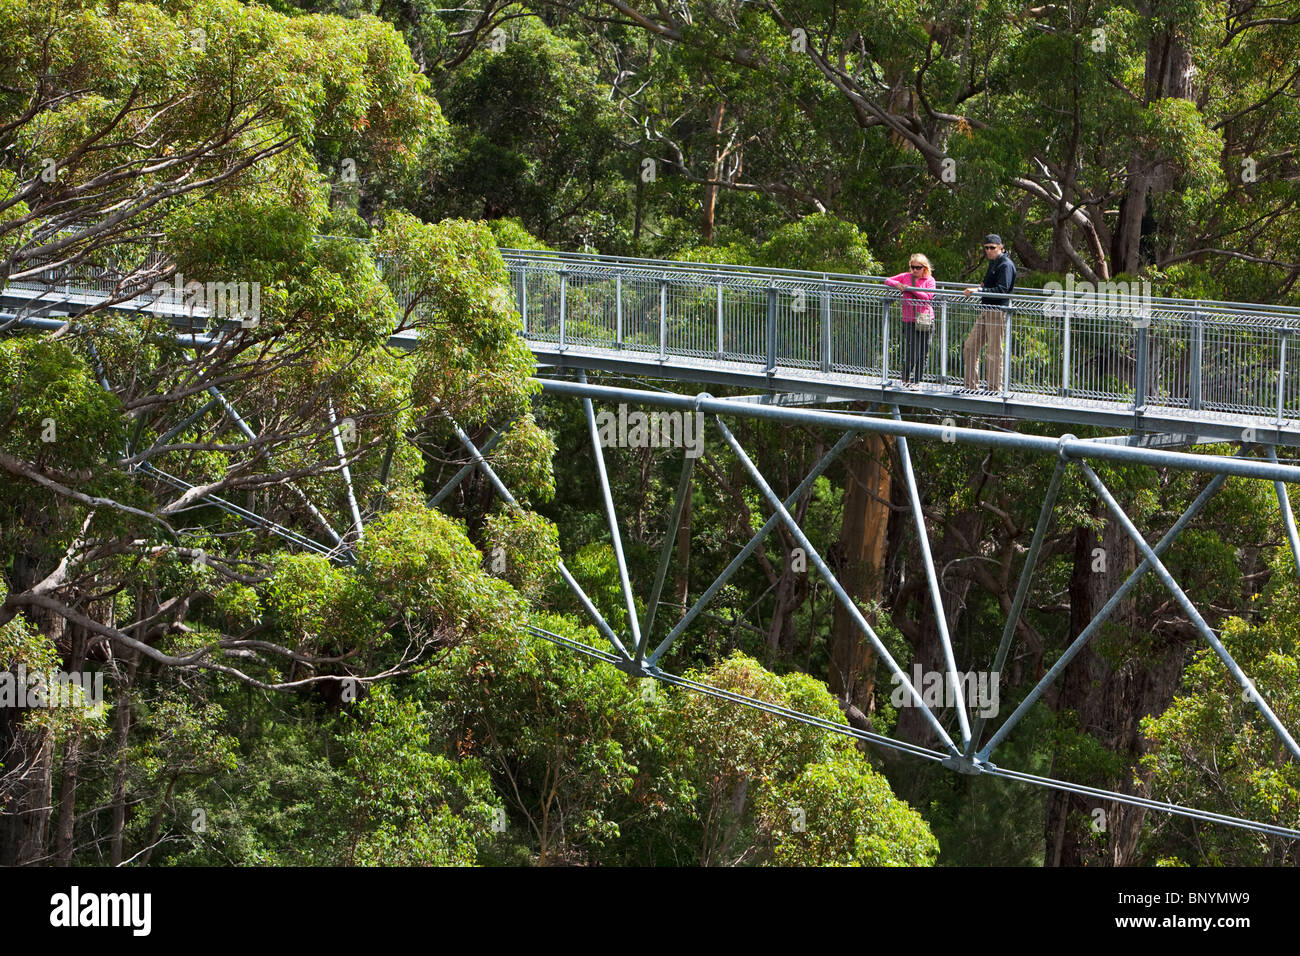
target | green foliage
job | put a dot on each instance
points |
(767, 789)
(820, 243)
(409, 805)
(847, 816)
(528, 546)
(560, 735)
(54, 412)
(1213, 749)
(453, 283)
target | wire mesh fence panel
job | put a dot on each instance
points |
(1102, 356)
(542, 289)
(1171, 359)
(744, 321)
(1289, 392)
(1216, 359)
(692, 313)
(1239, 366)
(641, 294)
(857, 331)
(798, 323)
(963, 314)
(590, 310)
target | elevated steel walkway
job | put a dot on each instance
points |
(1167, 370)
(1198, 370)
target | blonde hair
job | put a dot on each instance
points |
(919, 257)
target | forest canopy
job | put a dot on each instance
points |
(310, 653)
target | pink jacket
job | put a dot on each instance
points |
(915, 302)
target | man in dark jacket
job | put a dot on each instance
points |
(995, 299)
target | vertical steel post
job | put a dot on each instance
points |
(826, 326)
(1281, 377)
(771, 327)
(1065, 349)
(663, 318)
(927, 561)
(523, 298)
(884, 343)
(1198, 358)
(1006, 356)
(943, 342)
(610, 513)
(618, 310)
(1288, 517)
(1141, 344)
(564, 292)
(666, 551)
(346, 472)
(720, 344)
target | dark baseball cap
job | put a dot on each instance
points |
(993, 239)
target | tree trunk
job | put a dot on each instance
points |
(121, 728)
(715, 173)
(1122, 676)
(27, 759)
(1168, 75)
(63, 838)
(861, 552)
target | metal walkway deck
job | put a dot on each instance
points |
(1164, 370)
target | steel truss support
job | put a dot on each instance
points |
(1095, 625)
(171, 433)
(704, 599)
(820, 418)
(610, 513)
(469, 468)
(838, 589)
(141, 463)
(1022, 588)
(1288, 517)
(346, 472)
(1190, 609)
(251, 436)
(666, 552)
(1065, 450)
(601, 624)
(941, 618)
(250, 517)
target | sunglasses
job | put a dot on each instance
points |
(914, 268)
(990, 247)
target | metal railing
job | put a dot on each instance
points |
(1137, 351)
(1207, 357)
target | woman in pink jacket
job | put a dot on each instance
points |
(916, 305)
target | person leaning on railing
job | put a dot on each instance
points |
(995, 299)
(918, 316)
